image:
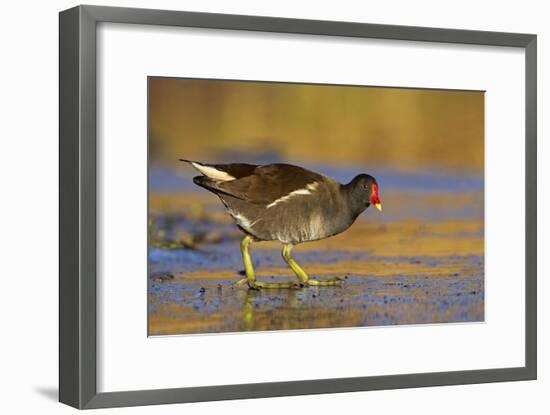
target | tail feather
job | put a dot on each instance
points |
(211, 185)
(211, 171)
(223, 172)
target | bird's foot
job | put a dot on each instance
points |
(336, 281)
(258, 285)
(241, 282)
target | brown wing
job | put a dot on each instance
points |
(268, 183)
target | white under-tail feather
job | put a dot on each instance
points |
(212, 172)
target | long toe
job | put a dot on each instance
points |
(274, 285)
(327, 283)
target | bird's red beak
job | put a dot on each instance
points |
(374, 198)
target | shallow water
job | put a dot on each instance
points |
(420, 261)
(426, 290)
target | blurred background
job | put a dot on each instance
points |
(426, 149)
(404, 129)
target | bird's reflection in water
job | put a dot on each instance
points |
(248, 311)
(287, 308)
(253, 300)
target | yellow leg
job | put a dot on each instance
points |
(301, 274)
(250, 279)
(247, 261)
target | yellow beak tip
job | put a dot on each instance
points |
(378, 206)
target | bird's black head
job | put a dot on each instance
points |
(362, 192)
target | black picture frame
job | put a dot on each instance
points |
(77, 205)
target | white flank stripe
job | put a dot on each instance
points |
(212, 172)
(307, 191)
